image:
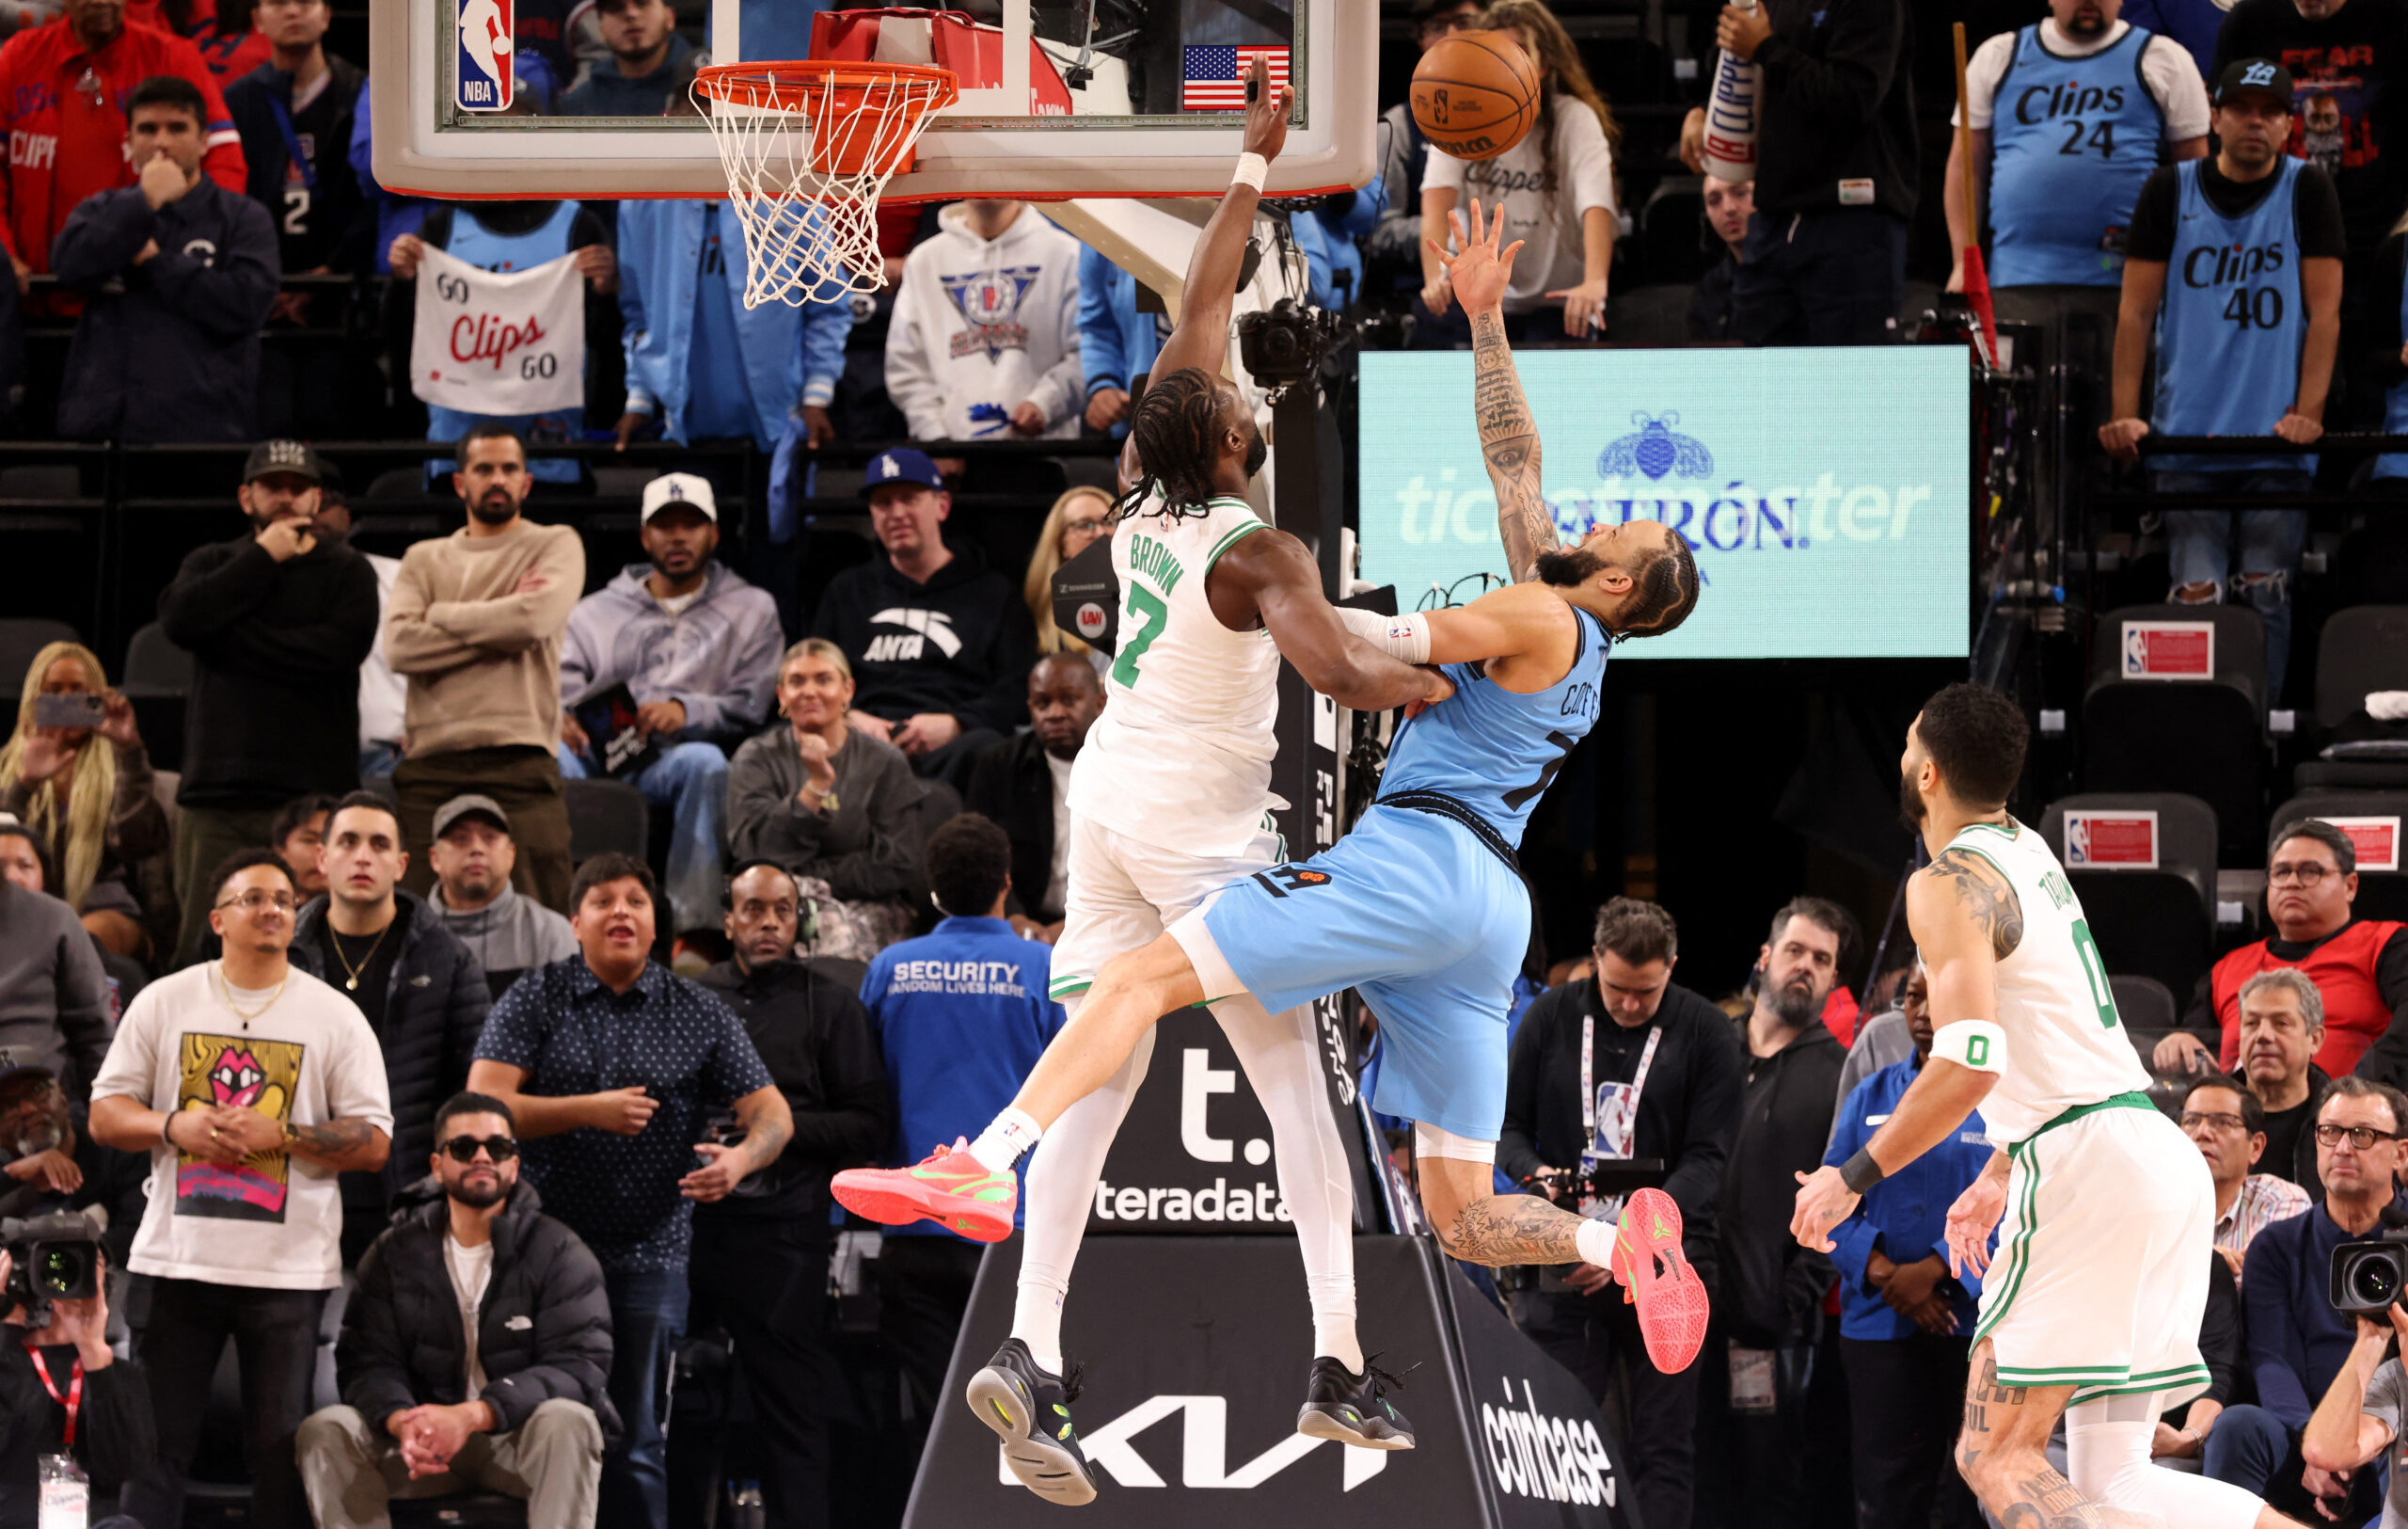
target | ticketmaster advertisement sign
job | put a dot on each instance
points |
(1825, 492)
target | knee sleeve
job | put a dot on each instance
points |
(2107, 1459)
(1282, 1064)
(1429, 1141)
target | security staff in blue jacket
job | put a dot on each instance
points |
(1906, 1322)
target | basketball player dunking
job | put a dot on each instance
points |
(1420, 906)
(2092, 1310)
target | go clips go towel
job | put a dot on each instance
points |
(493, 344)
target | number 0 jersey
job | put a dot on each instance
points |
(2233, 324)
(2065, 1047)
(1181, 759)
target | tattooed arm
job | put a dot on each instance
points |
(348, 1146)
(1509, 437)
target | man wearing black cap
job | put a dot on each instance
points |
(2244, 252)
(472, 856)
(278, 622)
(2344, 60)
(939, 643)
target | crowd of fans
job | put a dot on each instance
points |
(326, 1013)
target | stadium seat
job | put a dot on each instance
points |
(156, 678)
(2381, 894)
(2156, 924)
(2199, 738)
(605, 815)
(2363, 648)
(2143, 1003)
(21, 638)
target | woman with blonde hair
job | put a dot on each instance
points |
(86, 789)
(1080, 517)
(1555, 188)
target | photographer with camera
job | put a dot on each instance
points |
(62, 1392)
(2362, 1413)
(1624, 1065)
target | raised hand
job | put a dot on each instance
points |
(1266, 117)
(1477, 272)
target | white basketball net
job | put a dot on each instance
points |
(811, 227)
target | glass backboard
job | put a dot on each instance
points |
(1058, 98)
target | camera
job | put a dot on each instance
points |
(1284, 343)
(2369, 1277)
(51, 1258)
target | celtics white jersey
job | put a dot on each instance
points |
(2065, 1045)
(1181, 757)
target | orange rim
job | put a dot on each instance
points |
(804, 85)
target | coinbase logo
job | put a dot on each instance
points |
(486, 32)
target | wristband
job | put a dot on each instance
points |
(1253, 169)
(1860, 1172)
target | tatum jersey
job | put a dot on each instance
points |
(1181, 757)
(2233, 325)
(2065, 1047)
(2073, 141)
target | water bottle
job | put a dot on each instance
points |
(1734, 112)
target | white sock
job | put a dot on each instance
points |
(2107, 1459)
(1282, 1061)
(1597, 1243)
(1056, 1198)
(1004, 1139)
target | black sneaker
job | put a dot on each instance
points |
(1030, 1409)
(1353, 1409)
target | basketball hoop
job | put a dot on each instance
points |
(808, 146)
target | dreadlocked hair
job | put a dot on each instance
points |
(1174, 431)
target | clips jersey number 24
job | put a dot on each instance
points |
(1143, 617)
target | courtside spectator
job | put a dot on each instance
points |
(2345, 62)
(1022, 784)
(939, 643)
(1117, 340)
(2282, 1029)
(1906, 1320)
(1729, 204)
(278, 622)
(1555, 189)
(56, 1008)
(832, 802)
(1077, 520)
(1836, 170)
(1770, 1301)
(472, 854)
(647, 63)
(64, 1392)
(701, 362)
(761, 1256)
(250, 1085)
(2228, 1127)
(1393, 246)
(65, 106)
(295, 113)
(177, 274)
(2121, 98)
(513, 236)
(474, 1352)
(475, 623)
(695, 645)
(961, 1015)
(617, 1071)
(2297, 1342)
(419, 988)
(88, 792)
(1665, 1066)
(298, 832)
(975, 351)
(2217, 378)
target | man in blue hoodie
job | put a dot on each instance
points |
(961, 1017)
(697, 648)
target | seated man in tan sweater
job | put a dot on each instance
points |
(474, 625)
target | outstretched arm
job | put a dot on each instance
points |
(1509, 437)
(1201, 337)
(1272, 569)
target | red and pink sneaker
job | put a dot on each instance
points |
(1654, 1274)
(949, 1187)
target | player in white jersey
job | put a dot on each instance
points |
(1170, 801)
(2092, 1308)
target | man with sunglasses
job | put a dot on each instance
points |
(476, 1352)
(251, 1085)
(2297, 1342)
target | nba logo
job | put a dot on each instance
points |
(483, 66)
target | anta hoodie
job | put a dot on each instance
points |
(961, 642)
(981, 326)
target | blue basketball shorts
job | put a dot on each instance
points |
(1416, 913)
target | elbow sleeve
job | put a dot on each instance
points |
(1405, 637)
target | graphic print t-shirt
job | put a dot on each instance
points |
(2346, 96)
(273, 1221)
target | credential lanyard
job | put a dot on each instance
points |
(1588, 1077)
(292, 142)
(73, 1401)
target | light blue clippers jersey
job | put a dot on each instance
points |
(2230, 329)
(1496, 752)
(2073, 141)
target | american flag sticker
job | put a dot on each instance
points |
(1214, 78)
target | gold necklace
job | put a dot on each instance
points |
(225, 993)
(350, 984)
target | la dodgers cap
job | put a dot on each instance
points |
(901, 465)
(680, 488)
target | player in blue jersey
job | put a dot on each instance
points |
(1422, 907)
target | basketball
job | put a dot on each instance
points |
(1475, 94)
